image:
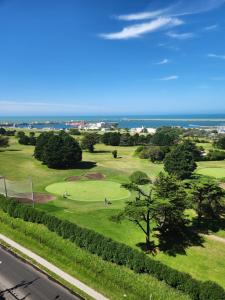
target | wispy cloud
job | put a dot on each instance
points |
(137, 30)
(143, 15)
(218, 56)
(162, 18)
(163, 62)
(181, 36)
(211, 27)
(180, 8)
(168, 78)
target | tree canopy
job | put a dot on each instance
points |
(58, 150)
(180, 162)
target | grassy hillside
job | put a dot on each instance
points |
(203, 261)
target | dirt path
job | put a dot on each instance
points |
(216, 238)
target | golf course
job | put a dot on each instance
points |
(100, 176)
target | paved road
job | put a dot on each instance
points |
(19, 280)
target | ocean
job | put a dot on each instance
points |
(149, 121)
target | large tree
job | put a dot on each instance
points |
(89, 141)
(140, 211)
(162, 206)
(180, 162)
(58, 150)
(165, 136)
(170, 214)
(207, 198)
(4, 141)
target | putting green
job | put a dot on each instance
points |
(214, 172)
(89, 190)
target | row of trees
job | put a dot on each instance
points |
(24, 139)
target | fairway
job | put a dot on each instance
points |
(214, 172)
(89, 190)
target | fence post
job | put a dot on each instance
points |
(32, 192)
(6, 194)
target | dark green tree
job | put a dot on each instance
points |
(126, 140)
(4, 141)
(156, 154)
(191, 147)
(180, 162)
(58, 150)
(140, 211)
(2, 131)
(170, 214)
(42, 140)
(139, 178)
(74, 131)
(24, 140)
(220, 143)
(20, 134)
(115, 153)
(207, 198)
(165, 136)
(88, 141)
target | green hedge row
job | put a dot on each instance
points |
(115, 252)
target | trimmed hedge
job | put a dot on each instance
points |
(115, 252)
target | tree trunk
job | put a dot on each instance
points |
(148, 243)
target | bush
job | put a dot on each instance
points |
(115, 252)
(211, 291)
(214, 155)
(139, 178)
(114, 153)
(4, 141)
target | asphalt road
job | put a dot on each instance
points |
(19, 280)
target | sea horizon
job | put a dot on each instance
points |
(126, 121)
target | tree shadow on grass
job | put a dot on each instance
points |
(83, 165)
(102, 151)
(207, 226)
(178, 242)
(152, 250)
(86, 165)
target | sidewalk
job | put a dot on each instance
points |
(89, 291)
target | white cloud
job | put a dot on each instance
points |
(181, 36)
(180, 8)
(212, 55)
(168, 78)
(211, 27)
(163, 62)
(142, 15)
(137, 30)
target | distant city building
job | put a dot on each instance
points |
(143, 130)
(221, 129)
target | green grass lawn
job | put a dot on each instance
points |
(212, 168)
(17, 162)
(89, 190)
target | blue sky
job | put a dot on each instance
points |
(96, 57)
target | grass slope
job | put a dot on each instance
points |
(17, 162)
(114, 281)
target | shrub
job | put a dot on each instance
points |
(214, 155)
(139, 178)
